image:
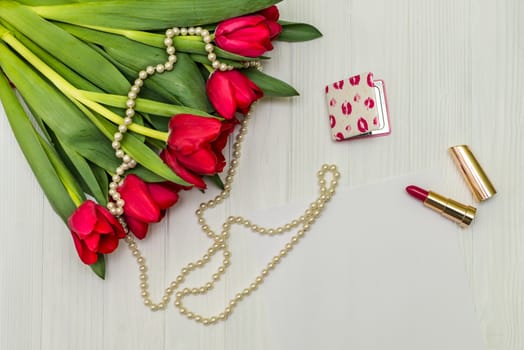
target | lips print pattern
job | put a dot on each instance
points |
(352, 106)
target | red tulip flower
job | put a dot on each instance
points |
(94, 231)
(247, 36)
(231, 91)
(272, 15)
(146, 203)
(195, 146)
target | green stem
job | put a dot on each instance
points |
(147, 38)
(143, 105)
(70, 91)
(64, 175)
(150, 39)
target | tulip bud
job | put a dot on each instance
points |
(195, 146)
(247, 36)
(272, 15)
(146, 203)
(94, 231)
(231, 92)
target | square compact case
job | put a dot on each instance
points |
(357, 108)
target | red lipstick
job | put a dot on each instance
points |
(460, 213)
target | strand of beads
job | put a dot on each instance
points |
(220, 241)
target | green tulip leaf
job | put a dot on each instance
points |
(153, 14)
(53, 39)
(296, 32)
(102, 179)
(28, 140)
(84, 170)
(184, 82)
(271, 86)
(99, 268)
(217, 181)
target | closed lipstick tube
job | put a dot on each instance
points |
(460, 213)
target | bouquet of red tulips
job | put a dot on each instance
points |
(172, 77)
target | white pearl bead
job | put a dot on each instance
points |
(209, 47)
(183, 31)
(191, 31)
(122, 128)
(150, 70)
(170, 33)
(128, 121)
(132, 95)
(223, 67)
(215, 64)
(118, 136)
(130, 103)
(142, 75)
(176, 31)
(168, 66)
(119, 153)
(171, 58)
(160, 68)
(206, 38)
(130, 112)
(168, 41)
(115, 145)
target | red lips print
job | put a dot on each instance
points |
(340, 137)
(369, 103)
(347, 108)
(339, 85)
(370, 80)
(356, 98)
(355, 80)
(362, 125)
(332, 121)
(332, 102)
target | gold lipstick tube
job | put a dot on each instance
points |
(460, 213)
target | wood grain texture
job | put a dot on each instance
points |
(454, 72)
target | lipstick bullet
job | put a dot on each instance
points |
(460, 213)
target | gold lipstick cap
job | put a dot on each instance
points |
(477, 180)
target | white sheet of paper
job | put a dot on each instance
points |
(377, 271)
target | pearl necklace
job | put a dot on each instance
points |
(220, 241)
